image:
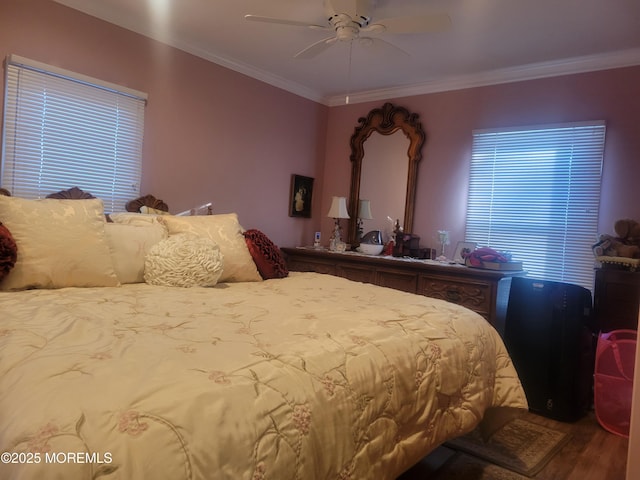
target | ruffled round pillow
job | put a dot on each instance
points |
(184, 260)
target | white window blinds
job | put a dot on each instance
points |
(63, 130)
(535, 192)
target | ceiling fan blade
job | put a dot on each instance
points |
(378, 43)
(419, 24)
(282, 21)
(315, 48)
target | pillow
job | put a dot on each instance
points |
(8, 251)
(61, 243)
(225, 230)
(266, 255)
(184, 260)
(129, 246)
(134, 218)
(154, 211)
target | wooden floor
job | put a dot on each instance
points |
(592, 454)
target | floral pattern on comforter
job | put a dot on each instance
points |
(306, 377)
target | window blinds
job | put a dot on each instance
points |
(536, 192)
(63, 130)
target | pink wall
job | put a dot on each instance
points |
(211, 134)
(449, 118)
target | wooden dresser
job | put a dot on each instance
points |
(616, 299)
(484, 291)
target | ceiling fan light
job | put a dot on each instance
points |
(346, 33)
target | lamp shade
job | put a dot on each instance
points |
(338, 208)
(364, 210)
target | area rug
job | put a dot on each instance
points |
(521, 446)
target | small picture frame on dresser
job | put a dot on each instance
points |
(462, 250)
(300, 198)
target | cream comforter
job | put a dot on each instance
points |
(307, 377)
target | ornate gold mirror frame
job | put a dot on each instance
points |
(386, 121)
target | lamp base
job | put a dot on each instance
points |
(336, 238)
(337, 246)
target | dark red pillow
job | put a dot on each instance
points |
(8, 251)
(266, 255)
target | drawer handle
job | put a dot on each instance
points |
(453, 296)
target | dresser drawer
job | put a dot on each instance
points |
(616, 299)
(474, 295)
(300, 265)
(407, 282)
(355, 273)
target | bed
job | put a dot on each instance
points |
(117, 363)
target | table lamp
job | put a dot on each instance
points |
(337, 211)
(364, 213)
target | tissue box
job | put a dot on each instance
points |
(405, 243)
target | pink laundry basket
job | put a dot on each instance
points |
(613, 380)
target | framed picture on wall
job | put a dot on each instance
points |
(462, 250)
(300, 198)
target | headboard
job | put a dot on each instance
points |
(146, 201)
(75, 193)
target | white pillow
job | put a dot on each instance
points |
(184, 260)
(129, 245)
(225, 230)
(61, 243)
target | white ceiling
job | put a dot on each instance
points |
(490, 41)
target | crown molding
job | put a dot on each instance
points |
(166, 38)
(253, 72)
(569, 66)
(590, 63)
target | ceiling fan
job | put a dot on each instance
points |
(350, 19)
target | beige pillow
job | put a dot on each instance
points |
(61, 243)
(225, 230)
(129, 246)
(130, 218)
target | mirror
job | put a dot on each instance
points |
(385, 164)
(387, 154)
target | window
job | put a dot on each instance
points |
(63, 130)
(536, 192)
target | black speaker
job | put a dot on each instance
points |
(549, 336)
